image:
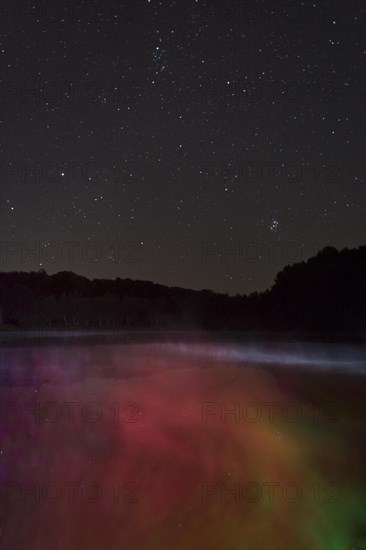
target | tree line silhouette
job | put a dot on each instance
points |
(326, 293)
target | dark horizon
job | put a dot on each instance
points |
(324, 294)
(50, 272)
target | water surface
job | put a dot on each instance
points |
(181, 444)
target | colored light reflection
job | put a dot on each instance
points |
(195, 447)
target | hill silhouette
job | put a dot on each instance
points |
(326, 293)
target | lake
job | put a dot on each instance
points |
(181, 442)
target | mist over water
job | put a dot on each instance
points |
(310, 354)
(182, 445)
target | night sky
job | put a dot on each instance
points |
(202, 145)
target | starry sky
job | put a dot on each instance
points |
(190, 143)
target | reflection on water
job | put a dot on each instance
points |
(187, 446)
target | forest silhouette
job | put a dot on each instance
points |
(325, 294)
